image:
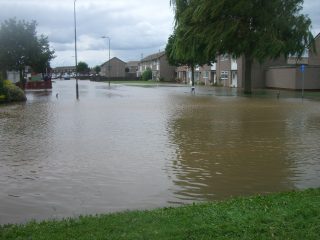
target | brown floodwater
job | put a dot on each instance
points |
(142, 147)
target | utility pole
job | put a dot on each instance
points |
(109, 59)
(75, 47)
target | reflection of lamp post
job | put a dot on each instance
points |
(75, 46)
(109, 59)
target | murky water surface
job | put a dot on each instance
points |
(133, 147)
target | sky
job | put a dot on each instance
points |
(136, 28)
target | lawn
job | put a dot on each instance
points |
(290, 215)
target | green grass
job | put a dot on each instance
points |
(138, 82)
(292, 215)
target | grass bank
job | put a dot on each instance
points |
(292, 215)
(138, 82)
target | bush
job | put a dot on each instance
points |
(12, 93)
(1, 84)
(1, 87)
(147, 74)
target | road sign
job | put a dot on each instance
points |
(302, 68)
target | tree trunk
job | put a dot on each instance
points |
(247, 75)
(3, 74)
(22, 79)
(192, 75)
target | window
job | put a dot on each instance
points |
(224, 75)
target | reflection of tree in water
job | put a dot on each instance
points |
(229, 147)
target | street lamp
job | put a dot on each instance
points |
(75, 47)
(109, 59)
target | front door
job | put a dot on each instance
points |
(234, 82)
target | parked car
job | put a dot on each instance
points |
(66, 76)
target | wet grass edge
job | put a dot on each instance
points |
(288, 215)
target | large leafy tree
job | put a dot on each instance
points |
(20, 46)
(256, 29)
(183, 48)
(42, 57)
(83, 67)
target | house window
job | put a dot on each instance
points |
(224, 75)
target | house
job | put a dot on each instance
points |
(273, 73)
(297, 73)
(115, 68)
(161, 70)
(183, 74)
(205, 74)
(230, 72)
(314, 56)
(132, 69)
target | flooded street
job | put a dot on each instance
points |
(142, 147)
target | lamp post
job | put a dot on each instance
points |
(75, 47)
(109, 59)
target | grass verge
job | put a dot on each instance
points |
(292, 215)
(138, 82)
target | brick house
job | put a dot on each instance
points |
(275, 73)
(161, 70)
(117, 68)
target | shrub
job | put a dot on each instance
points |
(12, 93)
(1, 84)
(1, 87)
(147, 74)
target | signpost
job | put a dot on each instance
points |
(302, 69)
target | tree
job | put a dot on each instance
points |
(256, 29)
(41, 63)
(97, 69)
(20, 46)
(147, 74)
(183, 48)
(82, 67)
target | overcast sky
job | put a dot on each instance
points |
(136, 27)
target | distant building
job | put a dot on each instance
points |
(65, 69)
(117, 68)
(161, 70)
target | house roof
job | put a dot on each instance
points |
(113, 59)
(153, 56)
(132, 63)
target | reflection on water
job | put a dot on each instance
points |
(133, 147)
(242, 146)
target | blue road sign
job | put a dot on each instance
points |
(302, 68)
